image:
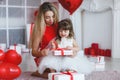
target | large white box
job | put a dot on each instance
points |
(61, 76)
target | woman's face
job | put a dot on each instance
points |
(49, 18)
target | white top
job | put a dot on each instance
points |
(65, 42)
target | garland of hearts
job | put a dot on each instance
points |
(70, 5)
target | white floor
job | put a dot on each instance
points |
(112, 64)
(29, 64)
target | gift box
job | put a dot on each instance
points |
(63, 52)
(100, 66)
(97, 59)
(86, 51)
(92, 52)
(16, 48)
(66, 76)
(29, 28)
(95, 45)
(108, 52)
(3, 46)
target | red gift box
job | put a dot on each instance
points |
(95, 45)
(108, 52)
(92, 52)
(86, 51)
(98, 52)
(102, 52)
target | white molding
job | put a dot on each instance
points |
(116, 34)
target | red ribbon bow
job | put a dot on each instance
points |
(62, 51)
(67, 73)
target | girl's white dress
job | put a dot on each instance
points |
(78, 63)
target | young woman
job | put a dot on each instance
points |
(44, 31)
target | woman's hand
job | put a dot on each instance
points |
(44, 52)
(53, 45)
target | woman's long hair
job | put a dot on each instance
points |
(40, 24)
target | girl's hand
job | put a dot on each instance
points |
(74, 54)
(69, 47)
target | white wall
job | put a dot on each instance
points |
(97, 27)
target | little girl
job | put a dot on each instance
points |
(65, 39)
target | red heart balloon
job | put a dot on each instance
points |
(70, 5)
(11, 56)
(2, 55)
(9, 71)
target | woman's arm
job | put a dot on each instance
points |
(36, 52)
(35, 47)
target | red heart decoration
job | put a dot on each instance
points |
(9, 71)
(70, 5)
(11, 56)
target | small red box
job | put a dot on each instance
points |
(108, 53)
(95, 45)
(92, 52)
(86, 51)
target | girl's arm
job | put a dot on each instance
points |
(75, 46)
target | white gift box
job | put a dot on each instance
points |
(3, 46)
(23, 46)
(26, 50)
(63, 52)
(97, 59)
(29, 28)
(100, 65)
(62, 76)
(16, 48)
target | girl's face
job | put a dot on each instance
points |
(64, 33)
(49, 18)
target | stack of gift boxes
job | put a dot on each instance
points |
(98, 62)
(94, 50)
(96, 55)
